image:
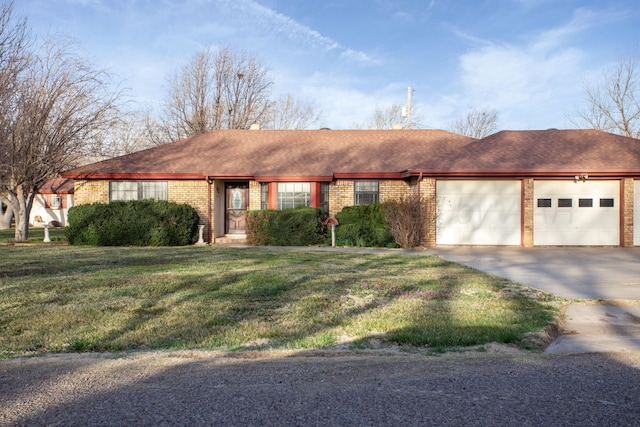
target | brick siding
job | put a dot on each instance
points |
(341, 193)
(86, 192)
(428, 193)
(527, 212)
(628, 188)
(254, 195)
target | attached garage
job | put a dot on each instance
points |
(480, 212)
(579, 212)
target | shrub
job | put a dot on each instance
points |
(288, 227)
(135, 223)
(363, 226)
(408, 218)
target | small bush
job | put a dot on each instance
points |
(135, 223)
(288, 227)
(408, 219)
(363, 226)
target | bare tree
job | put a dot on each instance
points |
(477, 123)
(15, 42)
(383, 118)
(60, 105)
(223, 89)
(6, 216)
(613, 105)
(388, 117)
(127, 134)
(287, 112)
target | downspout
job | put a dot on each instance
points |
(419, 181)
(210, 229)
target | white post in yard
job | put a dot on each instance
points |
(201, 237)
(47, 239)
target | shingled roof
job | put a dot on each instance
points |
(321, 154)
(57, 186)
(549, 152)
(272, 155)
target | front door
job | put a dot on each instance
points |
(237, 202)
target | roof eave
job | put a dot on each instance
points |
(530, 173)
(134, 176)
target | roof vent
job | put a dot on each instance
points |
(325, 128)
(397, 126)
(255, 126)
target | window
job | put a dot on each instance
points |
(293, 194)
(264, 195)
(366, 192)
(130, 190)
(544, 203)
(56, 201)
(585, 203)
(606, 203)
(565, 203)
(324, 196)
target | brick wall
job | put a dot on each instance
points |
(390, 190)
(194, 193)
(341, 193)
(527, 212)
(87, 192)
(254, 195)
(628, 188)
(428, 193)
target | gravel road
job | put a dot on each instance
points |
(321, 389)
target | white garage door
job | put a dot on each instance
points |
(576, 213)
(478, 213)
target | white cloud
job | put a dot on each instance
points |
(531, 85)
(276, 23)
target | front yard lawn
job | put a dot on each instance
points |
(60, 298)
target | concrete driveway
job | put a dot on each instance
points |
(575, 273)
(611, 274)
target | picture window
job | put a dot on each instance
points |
(138, 190)
(293, 195)
(366, 192)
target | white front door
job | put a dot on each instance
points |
(478, 212)
(582, 213)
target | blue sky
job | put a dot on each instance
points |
(527, 59)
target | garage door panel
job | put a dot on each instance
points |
(478, 212)
(595, 224)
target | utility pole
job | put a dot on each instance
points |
(409, 108)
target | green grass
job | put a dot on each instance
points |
(36, 235)
(60, 298)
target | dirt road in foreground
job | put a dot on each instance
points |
(284, 389)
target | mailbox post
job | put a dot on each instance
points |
(333, 222)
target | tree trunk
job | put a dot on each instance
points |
(24, 203)
(5, 217)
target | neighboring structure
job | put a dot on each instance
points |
(551, 187)
(52, 202)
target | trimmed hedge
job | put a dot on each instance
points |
(134, 223)
(288, 227)
(363, 226)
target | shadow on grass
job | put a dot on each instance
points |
(246, 299)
